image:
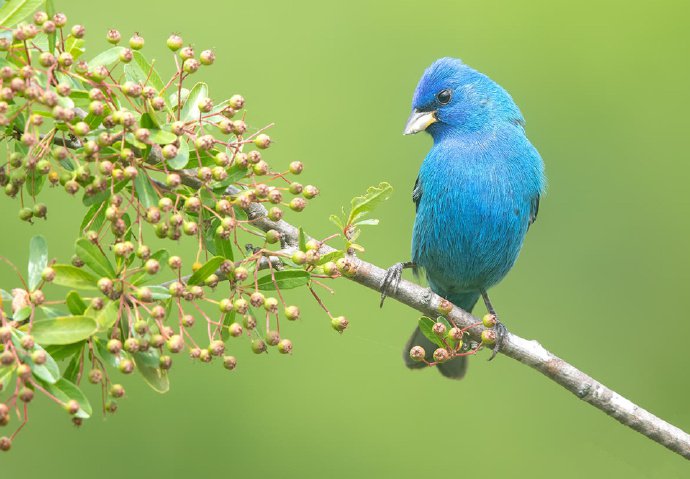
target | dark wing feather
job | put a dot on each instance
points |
(534, 210)
(417, 193)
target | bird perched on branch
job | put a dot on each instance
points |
(476, 195)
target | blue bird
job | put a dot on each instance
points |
(476, 195)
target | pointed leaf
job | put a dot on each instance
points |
(302, 240)
(35, 182)
(38, 260)
(145, 192)
(190, 109)
(14, 11)
(285, 279)
(367, 202)
(223, 247)
(64, 330)
(66, 391)
(206, 270)
(154, 376)
(94, 258)
(67, 275)
(72, 370)
(107, 58)
(93, 219)
(228, 319)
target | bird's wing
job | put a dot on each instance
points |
(534, 211)
(417, 193)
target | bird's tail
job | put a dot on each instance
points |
(453, 369)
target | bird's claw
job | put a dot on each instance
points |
(390, 282)
(501, 332)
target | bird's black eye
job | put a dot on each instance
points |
(444, 97)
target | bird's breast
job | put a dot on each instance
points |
(471, 221)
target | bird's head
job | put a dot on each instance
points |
(452, 97)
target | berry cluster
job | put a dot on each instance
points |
(153, 161)
(451, 341)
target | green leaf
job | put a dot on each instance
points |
(48, 371)
(64, 351)
(228, 319)
(426, 325)
(38, 260)
(64, 330)
(223, 247)
(153, 375)
(182, 156)
(52, 312)
(285, 279)
(332, 256)
(14, 11)
(22, 314)
(302, 240)
(35, 182)
(139, 70)
(206, 270)
(369, 222)
(75, 304)
(190, 109)
(72, 277)
(6, 296)
(65, 391)
(107, 58)
(375, 195)
(159, 292)
(335, 219)
(5, 376)
(50, 10)
(163, 137)
(141, 277)
(145, 192)
(106, 317)
(72, 370)
(94, 218)
(94, 258)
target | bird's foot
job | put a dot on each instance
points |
(501, 332)
(390, 282)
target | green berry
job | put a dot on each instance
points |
(292, 313)
(174, 42)
(339, 323)
(285, 346)
(259, 346)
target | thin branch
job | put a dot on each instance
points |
(530, 353)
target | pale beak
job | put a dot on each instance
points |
(419, 121)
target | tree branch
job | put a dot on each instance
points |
(530, 353)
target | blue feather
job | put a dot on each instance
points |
(478, 188)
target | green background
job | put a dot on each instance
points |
(602, 280)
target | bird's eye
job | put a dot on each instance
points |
(444, 97)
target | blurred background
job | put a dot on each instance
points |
(602, 280)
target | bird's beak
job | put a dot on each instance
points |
(419, 121)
